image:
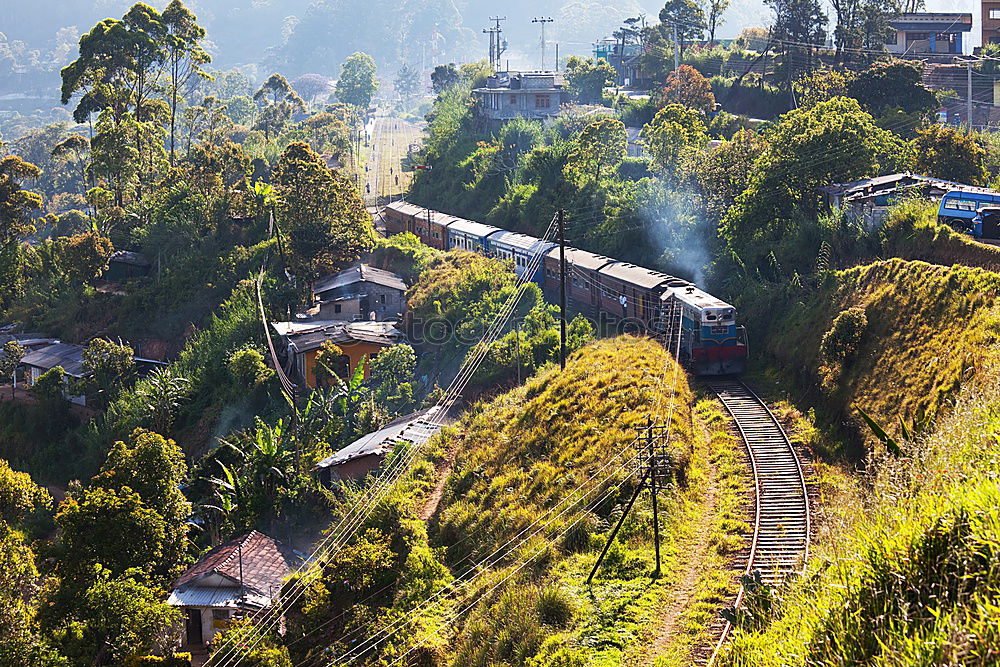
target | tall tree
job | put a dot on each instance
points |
(444, 77)
(320, 211)
(716, 8)
(278, 101)
(601, 144)
(686, 86)
(184, 57)
(687, 17)
(951, 154)
(16, 204)
(799, 29)
(357, 84)
(586, 78)
(10, 358)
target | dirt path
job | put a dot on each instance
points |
(696, 546)
(443, 469)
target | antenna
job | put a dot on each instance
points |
(543, 20)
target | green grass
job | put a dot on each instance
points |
(912, 578)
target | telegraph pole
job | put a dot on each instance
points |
(561, 218)
(968, 101)
(655, 463)
(542, 20)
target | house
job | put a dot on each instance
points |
(303, 340)
(991, 21)
(366, 454)
(355, 293)
(124, 264)
(238, 576)
(507, 95)
(625, 59)
(921, 34)
(869, 199)
(42, 359)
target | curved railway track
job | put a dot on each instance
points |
(780, 543)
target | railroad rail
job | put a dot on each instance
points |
(780, 543)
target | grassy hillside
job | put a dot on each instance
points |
(913, 232)
(538, 477)
(926, 329)
(911, 578)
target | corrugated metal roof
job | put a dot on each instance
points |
(416, 428)
(311, 334)
(516, 241)
(69, 356)
(216, 597)
(358, 274)
(472, 228)
(636, 275)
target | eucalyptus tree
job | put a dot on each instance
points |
(184, 57)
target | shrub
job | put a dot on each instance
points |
(554, 606)
(840, 343)
(248, 367)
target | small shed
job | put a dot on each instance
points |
(125, 264)
(366, 454)
(42, 359)
(242, 575)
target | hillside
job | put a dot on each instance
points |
(539, 476)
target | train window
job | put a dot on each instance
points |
(711, 317)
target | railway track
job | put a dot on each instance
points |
(780, 543)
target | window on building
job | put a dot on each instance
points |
(220, 614)
(381, 298)
(541, 101)
(995, 14)
(336, 308)
(917, 36)
(891, 37)
(513, 100)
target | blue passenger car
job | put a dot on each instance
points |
(525, 252)
(469, 235)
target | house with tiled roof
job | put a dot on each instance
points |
(360, 292)
(241, 575)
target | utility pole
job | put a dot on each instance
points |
(542, 20)
(655, 462)
(677, 46)
(968, 101)
(557, 57)
(561, 218)
(492, 33)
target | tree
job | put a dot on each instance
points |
(602, 143)
(771, 219)
(110, 366)
(586, 78)
(13, 352)
(392, 373)
(116, 618)
(114, 529)
(320, 212)
(673, 130)
(19, 495)
(893, 84)
(311, 86)
(688, 18)
(723, 173)
(799, 29)
(357, 84)
(279, 101)
(949, 153)
(716, 8)
(861, 26)
(821, 85)
(248, 368)
(84, 256)
(16, 204)
(331, 363)
(407, 81)
(687, 87)
(184, 57)
(162, 393)
(444, 77)
(75, 149)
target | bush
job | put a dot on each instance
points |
(248, 367)
(840, 344)
(554, 606)
(175, 660)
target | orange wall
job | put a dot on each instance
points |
(354, 352)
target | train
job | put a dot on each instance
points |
(602, 288)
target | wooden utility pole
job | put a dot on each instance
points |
(561, 219)
(677, 46)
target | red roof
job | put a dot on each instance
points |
(266, 562)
